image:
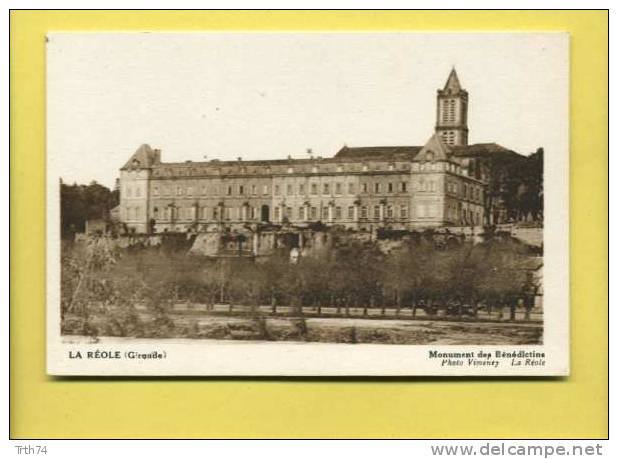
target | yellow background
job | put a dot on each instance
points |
(414, 407)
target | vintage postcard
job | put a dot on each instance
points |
(308, 204)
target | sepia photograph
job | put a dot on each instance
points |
(307, 203)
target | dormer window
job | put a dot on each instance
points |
(290, 170)
(429, 156)
(314, 169)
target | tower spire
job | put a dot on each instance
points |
(452, 83)
(452, 112)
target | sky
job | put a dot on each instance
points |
(270, 95)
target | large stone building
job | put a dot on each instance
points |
(406, 187)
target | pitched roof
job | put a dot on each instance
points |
(436, 147)
(485, 149)
(395, 152)
(144, 156)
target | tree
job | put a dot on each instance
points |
(79, 203)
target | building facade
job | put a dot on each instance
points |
(408, 187)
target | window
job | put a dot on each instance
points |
(241, 189)
(288, 212)
(432, 185)
(391, 167)
(339, 168)
(403, 187)
(277, 213)
(313, 213)
(324, 213)
(190, 191)
(178, 191)
(155, 213)
(350, 212)
(376, 211)
(265, 189)
(364, 212)
(364, 188)
(155, 191)
(390, 187)
(301, 213)
(290, 170)
(403, 212)
(376, 187)
(204, 191)
(314, 169)
(422, 185)
(465, 191)
(326, 188)
(390, 212)
(314, 188)
(351, 189)
(229, 190)
(215, 213)
(301, 188)
(337, 213)
(253, 190)
(420, 211)
(289, 189)
(337, 188)
(276, 194)
(448, 110)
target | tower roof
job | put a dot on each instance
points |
(144, 157)
(434, 149)
(452, 83)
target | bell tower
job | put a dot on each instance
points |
(452, 112)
